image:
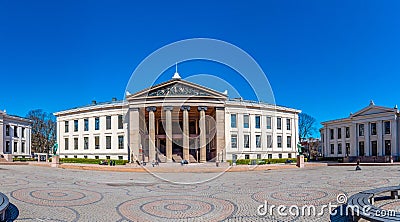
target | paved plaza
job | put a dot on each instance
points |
(49, 194)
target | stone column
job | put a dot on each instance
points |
(1, 135)
(152, 133)
(134, 134)
(203, 140)
(168, 132)
(185, 136)
(220, 134)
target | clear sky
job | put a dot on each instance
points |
(327, 58)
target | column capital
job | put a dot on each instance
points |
(151, 109)
(185, 108)
(202, 108)
(168, 108)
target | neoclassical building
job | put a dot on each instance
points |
(178, 120)
(371, 134)
(15, 136)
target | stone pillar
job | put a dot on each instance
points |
(168, 132)
(220, 134)
(185, 136)
(1, 135)
(203, 140)
(152, 133)
(134, 134)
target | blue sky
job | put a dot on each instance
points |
(327, 58)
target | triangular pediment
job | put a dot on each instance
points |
(372, 110)
(177, 88)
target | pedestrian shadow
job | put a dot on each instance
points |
(12, 213)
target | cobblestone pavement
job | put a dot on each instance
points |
(48, 194)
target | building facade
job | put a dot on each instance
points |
(15, 135)
(371, 134)
(178, 120)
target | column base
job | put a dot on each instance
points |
(55, 161)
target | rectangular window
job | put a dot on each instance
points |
(96, 157)
(339, 148)
(97, 142)
(361, 148)
(120, 142)
(108, 142)
(258, 141)
(279, 140)
(269, 141)
(66, 143)
(289, 155)
(86, 143)
(361, 130)
(233, 141)
(347, 132)
(289, 142)
(7, 130)
(120, 122)
(108, 157)
(15, 131)
(15, 147)
(76, 143)
(269, 156)
(247, 156)
(388, 148)
(279, 123)
(374, 148)
(269, 122)
(339, 133)
(347, 149)
(120, 157)
(387, 127)
(288, 124)
(233, 120)
(332, 148)
(85, 157)
(246, 141)
(76, 125)
(75, 156)
(96, 123)
(245, 121)
(23, 147)
(86, 124)
(7, 146)
(108, 122)
(258, 122)
(66, 126)
(280, 156)
(258, 156)
(332, 134)
(373, 128)
(23, 132)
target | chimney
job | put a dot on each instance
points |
(94, 102)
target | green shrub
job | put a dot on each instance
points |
(23, 159)
(265, 161)
(90, 161)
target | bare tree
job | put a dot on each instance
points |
(306, 126)
(44, 130)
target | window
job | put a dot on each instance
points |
(347, 132)
(65, 156)
(85, 157)
(15, 147)
(66, 143)
(258, 156)
(288, 124)
(245, 121)
(108, 122)
(86, 124)
(387, 127)
(7, 146)
(361, 130)
(108, 157)
(66, 126)
(280, 156)
(96, 123)
(374, 148)
(373, 128)
(120, 157)
(269, 141)
(120, 142)
(269, 125)
(279, 123)
(332, 134)
(361, 148)
(246, 141)
(347, 149)
(258, 141)
(75, 156)
(76, 143)
(97, 142)
(289, 155)
(258, 122)
(332, 149)
(233, 120)
(23, 132)
(339, 133)
(76, 125)
(339, 148)
(269, 156)
(233, 141)
(247, 156)
(279, 140)
(120, 122)
(108, 142)
(96, 157)
(15, 131)
(388, 148)
(289, 142)
(7, 130)
(23, 147)
(85, 143)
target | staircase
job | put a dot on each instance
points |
(176, 158)
(2, 160)
(192, 159)
(162, 158)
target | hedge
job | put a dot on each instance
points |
(264, 161)
(23, 159)
(90, 161)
